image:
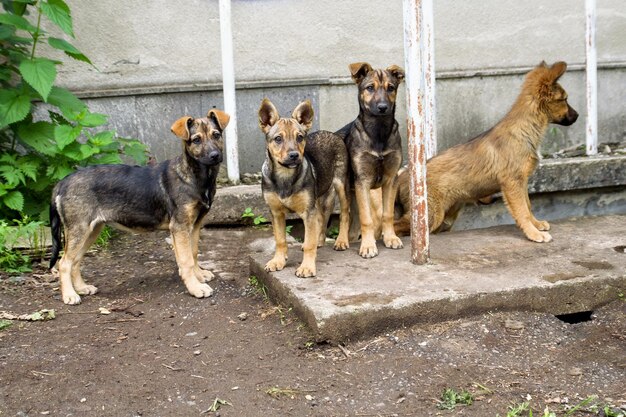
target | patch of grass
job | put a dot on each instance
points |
(12, 260)
(451, 398)
(276, 392)
(257, 286)
(5, 324)
(105, 236)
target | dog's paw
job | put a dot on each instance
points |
(393, 242)
(72, 299)
(540, 237)
(200, 290)
(203, 275)
(275, 265)
(86, 290)
(341, 245)
(542, 225)
(368, 251)
(305, 271)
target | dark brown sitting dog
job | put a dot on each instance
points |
(375, 148)
(502, 158)
(174, 195)
(301, 174)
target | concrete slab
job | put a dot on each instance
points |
(471, 272)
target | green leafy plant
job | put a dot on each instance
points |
(257, 286)
(38, 153)
(451, 398)
(333, 232)
(5, 324)
(256, 220)
(12, 260)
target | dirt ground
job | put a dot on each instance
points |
(161, 352)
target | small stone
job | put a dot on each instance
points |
(191, 334)
(308, 397)
(513, 324)
(82, 400)
(242, 316)
(575, 371)
(197, 352)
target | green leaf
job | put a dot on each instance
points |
(73, 151)
(65, 135)
(29, 167)
(17, 21)
(67, 102)
(14, 200)
(14, 106)
(59, 172)
(38, 136)
(109, 158)
(40, 74)
(93, 119)
(102, 138)
(12, 175)
(58, 12)
(68, 48)
(6, 31)
(137, 151)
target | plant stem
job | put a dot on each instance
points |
(36, 34)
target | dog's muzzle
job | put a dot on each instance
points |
(213, 158)
(570, 117)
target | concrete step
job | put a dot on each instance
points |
(471, 272)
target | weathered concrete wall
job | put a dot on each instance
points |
(159, 60)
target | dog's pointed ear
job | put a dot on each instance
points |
(558, 69)
(359, 70)
(542, 64)
(268, 115)
(396, 71)
(181, 127)
(304, 113)
(219, 117)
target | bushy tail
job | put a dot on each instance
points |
(55, 228)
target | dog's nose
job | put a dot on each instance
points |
(382, 107)
(214, 156)
(293, 155)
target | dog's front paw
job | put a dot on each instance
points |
(305, 271)
(341, 244)
(72, 298)
(368, 250)
(393, 242)
(86, 290)
(542, 225)
(537, 236)
(275, 265)
(203, 275)
(200, 290)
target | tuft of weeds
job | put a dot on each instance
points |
(257, 220)
(333, 232)
(105, 237)
(451, 398)
(276, 392)
(258, 288)
(5, 324)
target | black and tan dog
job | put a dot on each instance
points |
(375, 150)
(303, 174)
(500, 159)
(174, 195)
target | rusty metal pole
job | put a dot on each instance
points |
(592, 78)
(419, 66)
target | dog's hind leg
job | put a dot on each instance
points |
(182, 236)
(327, 204)
(342, 242)
(79, 237)
(202, 275)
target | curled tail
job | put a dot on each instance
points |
(55, 228)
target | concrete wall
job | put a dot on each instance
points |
(157, 60)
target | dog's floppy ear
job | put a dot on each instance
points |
(268, 115)
(181, 127)
(359, 70)
(218, 117)
(557, 69)
(396, 71)
(304, 113)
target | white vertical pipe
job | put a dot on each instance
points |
(592, 78)
(417, 68)
(228, 79)
(427, 46)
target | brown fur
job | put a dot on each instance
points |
(174, 195)
(501, 159)
(375, 148)
(302, 173)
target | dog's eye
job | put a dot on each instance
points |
(196, 141)
(300, 138)
(217, 135)
(278, 140)
(391, 88)
(370, 88)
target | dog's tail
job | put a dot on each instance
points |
(55, 228)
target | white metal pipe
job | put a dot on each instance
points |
(592, 78)
(230, 104)
(427, 45)
(419, 120)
